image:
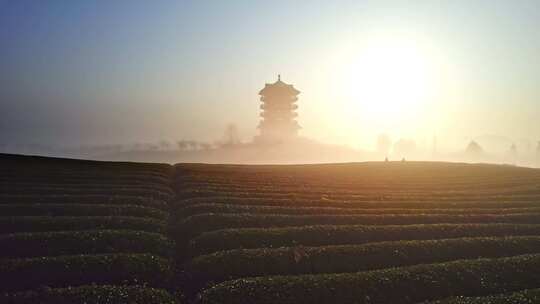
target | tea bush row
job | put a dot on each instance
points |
(73, 270)
(294, 210)
(83, 199)
(91, 294)
(311, 190)
(113, 180)
(78, 165)
(12, 224)
(520, 297)
(361, 204)
(81, 210)
(36, 244)
(346, 234)
(157, 194)
(375, 196)
(75, 178)
(365, 195)
(197, 224)
(88, 185)
(239, 263)
(404, 285)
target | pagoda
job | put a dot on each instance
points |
(278, 114)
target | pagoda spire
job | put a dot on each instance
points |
(278, 112)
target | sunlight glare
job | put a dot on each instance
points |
(389, 80)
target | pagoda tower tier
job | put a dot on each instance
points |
(278, 112)
(286, 107)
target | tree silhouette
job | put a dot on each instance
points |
(182, 144)
(512, 153)
(474, 148)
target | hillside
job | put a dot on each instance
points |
(397, 232)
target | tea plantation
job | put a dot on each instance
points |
(85, 232)
(76, 231)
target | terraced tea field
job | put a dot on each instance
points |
(359, 233)
(98, 232)
(84, 232)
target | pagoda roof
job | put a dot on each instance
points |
(279, 87)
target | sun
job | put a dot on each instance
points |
(389, 79)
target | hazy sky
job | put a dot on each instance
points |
(93, 72)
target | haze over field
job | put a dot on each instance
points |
(270, 152)
(162, 80)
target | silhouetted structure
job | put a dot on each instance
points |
(278, 112)
(512, 154)
(513, 149)
(474, 149)
(231, 135)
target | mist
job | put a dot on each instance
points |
(137, 80)
(235, 150)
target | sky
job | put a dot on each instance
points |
(104, 72)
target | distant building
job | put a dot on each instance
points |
(278, 123)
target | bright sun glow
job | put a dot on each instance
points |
(390, 80)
